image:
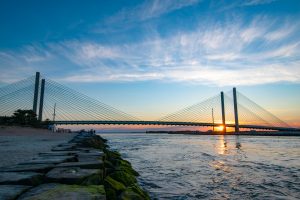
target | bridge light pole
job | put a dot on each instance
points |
(36, 92)
(223, 112)
(213, 119)
(54, 114)
(53, 120)
(42, 100)
(236, 116)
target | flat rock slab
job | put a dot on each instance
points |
(29, 168)
(69, 175)
(70, 144)
(63, 192)
(91, 153)
(63, 148)
(81, 137)
(20, 178)
(96, 164)
(8, 192)
(51, 160)
(87, 150)
(89, 158)
(59, 153)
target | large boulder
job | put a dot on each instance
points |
(70, 175)
(41, 168)
(96, 164)
(91, 153)
(93, 141)
(90, 156)
(70, 145)
(86, 149)
(59, 153)
(63, 192)
(134, 192)
(127, 169)
(20, 178)
(123, 177)
(51, 160)
(8, 192)
(111, 194)
(113, 184)
(63, 148)
(112, 154)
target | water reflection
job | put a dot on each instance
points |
(213, 167)
(222, 145)
(238, 145)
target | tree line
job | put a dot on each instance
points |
(23, 118)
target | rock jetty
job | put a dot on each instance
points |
(84, 168)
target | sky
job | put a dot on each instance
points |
(151, 58)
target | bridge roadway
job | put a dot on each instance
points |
(166, 123)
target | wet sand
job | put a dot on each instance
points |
(19, 144)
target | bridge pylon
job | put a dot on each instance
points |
(36, 92)
(223, 112)
(236, 115)
(41, 100)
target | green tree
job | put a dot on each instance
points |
(25, 117)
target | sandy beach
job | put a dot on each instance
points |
(19, 144)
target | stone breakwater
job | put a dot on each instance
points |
(83, 168)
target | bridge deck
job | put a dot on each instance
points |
(166, 123)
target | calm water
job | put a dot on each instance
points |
(213, 167)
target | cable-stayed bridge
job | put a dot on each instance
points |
(63, 105)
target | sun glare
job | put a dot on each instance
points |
(220, 128)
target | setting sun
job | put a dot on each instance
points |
(219, 128)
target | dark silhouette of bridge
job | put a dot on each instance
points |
(64, 106)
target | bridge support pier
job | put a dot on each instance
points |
(36, 92)
(223, 112)
(236, 116)
(41, 100)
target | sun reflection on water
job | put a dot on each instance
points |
(222, 147)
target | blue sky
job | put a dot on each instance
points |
(153, 57)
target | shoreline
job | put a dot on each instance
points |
(18, 144)
(81, 168)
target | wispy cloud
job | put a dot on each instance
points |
(142, 12)
(266, 50)
(35, 54)
(231, 5)
(24, 62)
(218, 54)
(151, 9)
(257, 2)
(282, 32)
(20, 63)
